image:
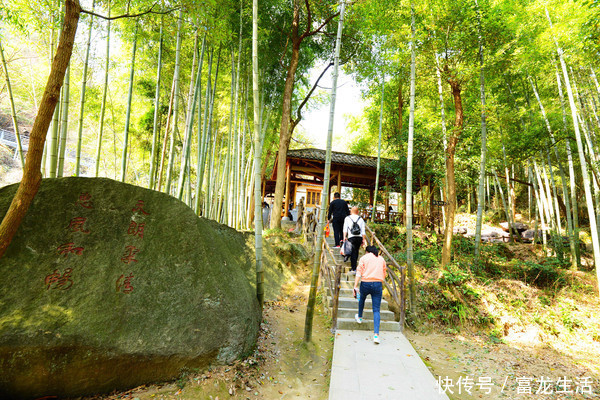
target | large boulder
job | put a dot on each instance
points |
(517, 226)
(108, 286)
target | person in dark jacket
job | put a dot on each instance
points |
(338, 210)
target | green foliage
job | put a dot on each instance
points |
(542, 276)
(453, 277)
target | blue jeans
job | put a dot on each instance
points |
(375, 289)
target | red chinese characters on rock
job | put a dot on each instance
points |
(136, 229)
(77, 225)
(57, 281)
(124, 284)
(68, 248)
(139, 207)
(85, 200)
(129, 254)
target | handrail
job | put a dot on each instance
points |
(334, 282)
(330, 273)
(398, 284)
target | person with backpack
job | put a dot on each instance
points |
(338, 210)
(354, 232)
(371, 275)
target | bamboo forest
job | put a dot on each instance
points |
(325, 199)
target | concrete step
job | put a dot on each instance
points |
(345, 292)
(367, 314)
(347, 284)
(351, 324)
(351, 302)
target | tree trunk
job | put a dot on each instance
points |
(128, 113)
(539, 206)
(13, 112)
(582, 162)
(312, 296)
(452, 142)
(400, 106)
(163, 155)
(285, 134)
(236, 152)
(153, 160)
(174, 131)
(82, 95)
(260, 292)
(444, 187)
(378, 150)
(203, 139)
(64, 125)
(575, 261)
(481, 187)
(409, 171)
(104, 93)
(189, 126)
(31, 173)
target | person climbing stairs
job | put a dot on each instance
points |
(348, 304)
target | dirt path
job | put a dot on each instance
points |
(508, 365)
(282, 367)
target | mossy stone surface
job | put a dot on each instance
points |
(108, 286)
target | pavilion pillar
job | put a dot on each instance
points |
(339, 181)
(288, 174)
(293, 198)
(371, 196)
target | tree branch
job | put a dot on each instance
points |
(514, 180)
(308, 18)
(284, 52)
(149, 11)
(299, 111)
(328, 20)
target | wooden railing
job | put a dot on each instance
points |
(391, 217)
(330, 271)
(394, 284)
(331, 275)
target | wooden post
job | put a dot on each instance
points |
(386, 203)
(288, 174)
(371, 196)
(294, 195)
(339, 181)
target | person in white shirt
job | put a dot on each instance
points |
(354, 232)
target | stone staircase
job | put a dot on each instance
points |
(348, 305)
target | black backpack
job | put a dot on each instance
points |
(355, 229)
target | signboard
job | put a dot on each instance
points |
(439, 203)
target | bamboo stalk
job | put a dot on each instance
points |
(325, 193)
(64, 125)
(82, 94)
(104, 93)
(128, 113)
(151, 181)
(13, 112)
(174, 130)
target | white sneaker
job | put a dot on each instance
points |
(357, 319)
(352, 272)
(376, 339)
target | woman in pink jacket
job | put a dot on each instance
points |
(371, 273)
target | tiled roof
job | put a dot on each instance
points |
(336, 157)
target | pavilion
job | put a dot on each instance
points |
(304, 178)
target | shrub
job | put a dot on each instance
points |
(541, 275)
